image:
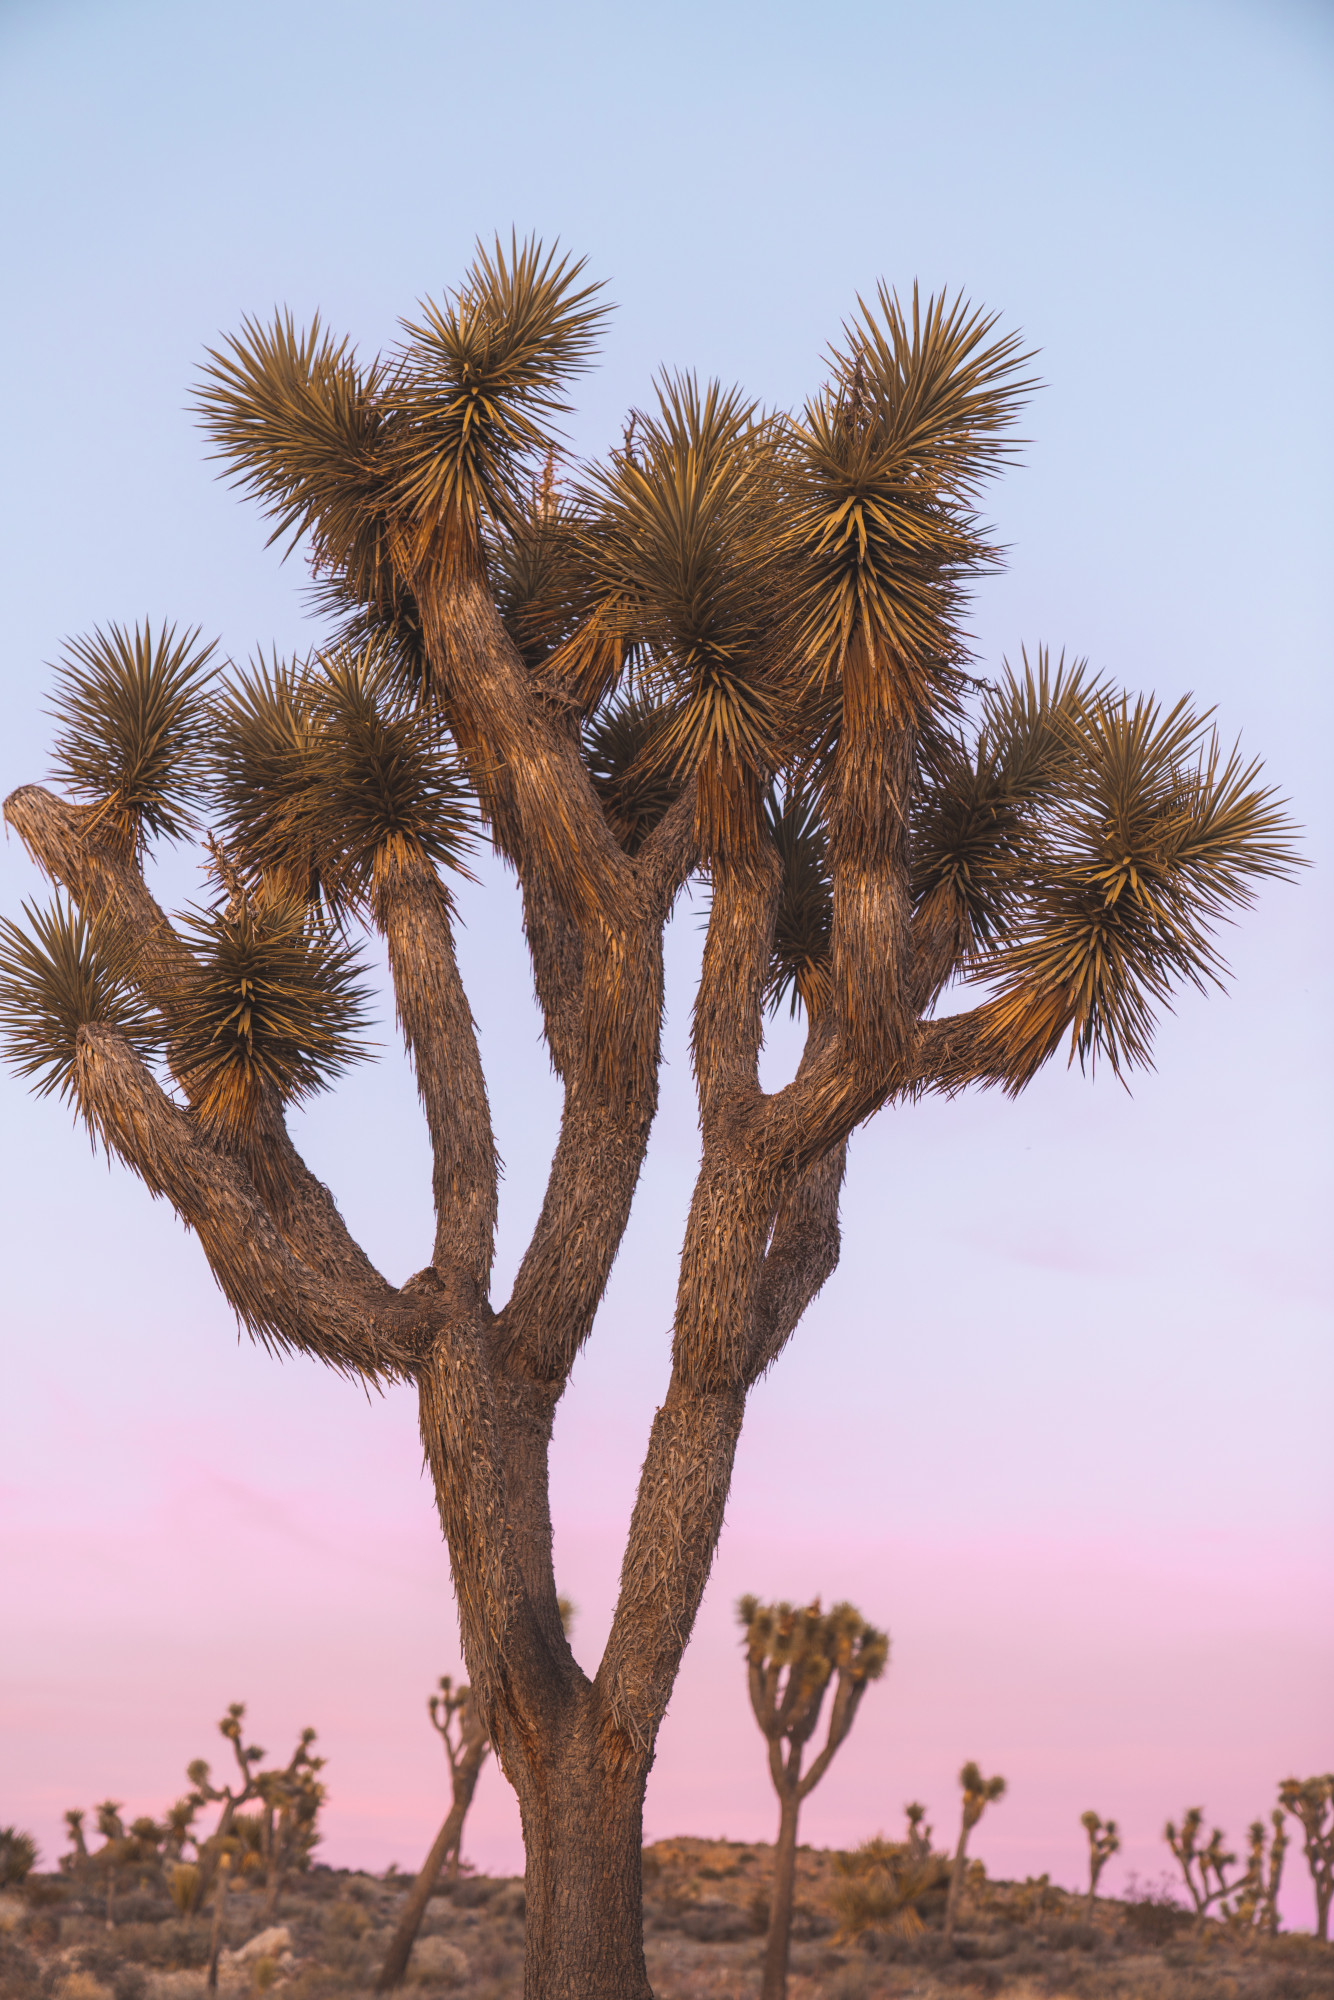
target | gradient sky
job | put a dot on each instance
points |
(1061, 1421)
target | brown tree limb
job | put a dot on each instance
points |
(412, 911)
(63, 840)
(802, 1255)
(372, 1331)
(674, 1531)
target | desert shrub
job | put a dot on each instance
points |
(18, 1856)
(20, 1975)
(881, 1885)
(348, 1919)
(1075, 1937)
(470, 1892)
(1152, 1915)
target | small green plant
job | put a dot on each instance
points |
(1104, 1842)
(1204, 1868)
(792, 1655)
(978, 1794)
(18, 1856)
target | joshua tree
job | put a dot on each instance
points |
(211, 1852)
(1311, 1803)
(978, 1794)
(1104, 1842)
(1256, 1904)
(457, 1720)
(734, 651)
(1204, 1868)
(292, 1799)
(791, 1657)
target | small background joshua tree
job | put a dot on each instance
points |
(1104, 1842)
(1203, 1868)
(978, 1794)
(1256, 1905)
(458, 1722)
(792, 1655)
(457, 1719)
(1311, 1803)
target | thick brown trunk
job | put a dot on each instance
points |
(583, 1831)
(774, 1984)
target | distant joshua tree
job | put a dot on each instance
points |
(1311, 1803)
(1203, 1868)
(978, 1794)
(456, 1718)
(791, 1656)
(1104, 1842)
(733, 652)
(1256, 1905)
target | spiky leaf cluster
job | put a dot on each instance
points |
(800, 967)
(482, 376)
(130, 707)
(418, 455)
(1153, 835)
(978, 820)
(64, 972)
(306, 431)
(812, 1644)
(271, 1006)
(879, 475)
(328, 772)
(681, 547)
(633, 781)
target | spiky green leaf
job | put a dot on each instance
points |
(64, 972)
(131, 706)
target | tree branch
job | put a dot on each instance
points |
(63, 840)
(673, 1534)
(802, 1256)
(412, 910)
(371, 1330)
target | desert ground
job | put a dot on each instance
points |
(705, 1906)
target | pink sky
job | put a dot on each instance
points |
(1061, 1421)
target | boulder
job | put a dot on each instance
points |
(437, 1962)
(271, 1943)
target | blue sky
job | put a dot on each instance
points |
(1082, 1336)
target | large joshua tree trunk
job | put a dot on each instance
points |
(583, 1837)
